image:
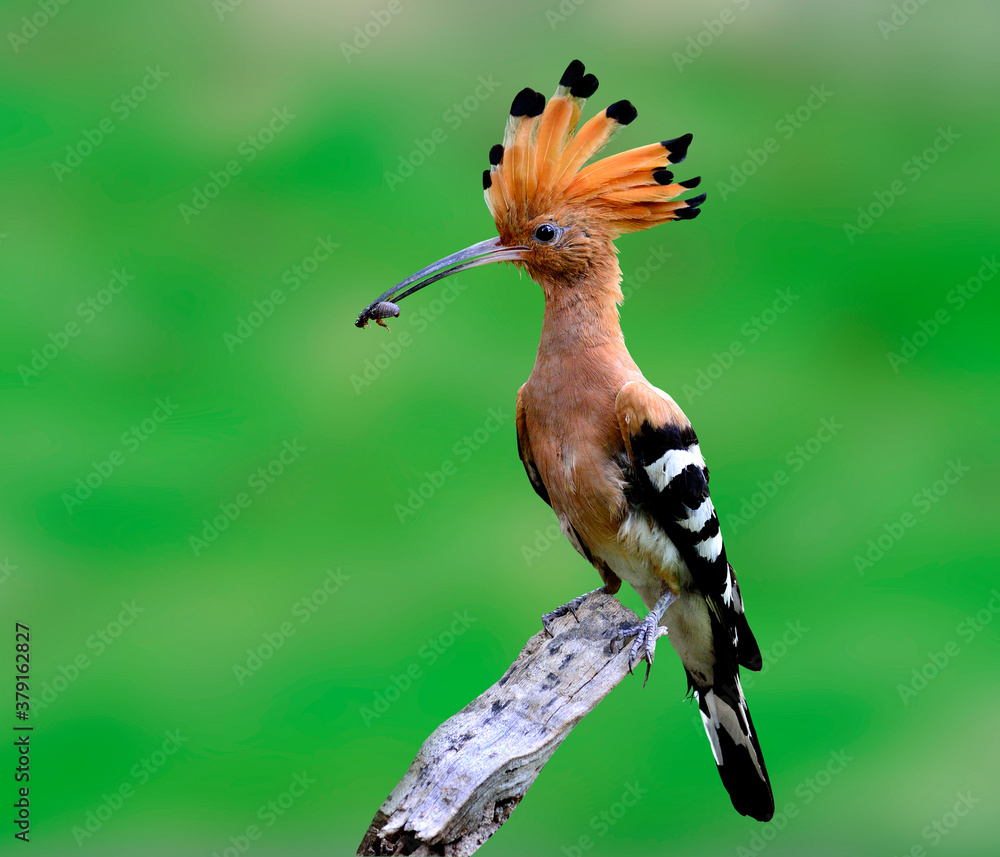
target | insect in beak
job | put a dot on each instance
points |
(491, 250)
(377, 313)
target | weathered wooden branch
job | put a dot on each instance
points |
(473, 770)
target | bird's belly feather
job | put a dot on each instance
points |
(644, 556)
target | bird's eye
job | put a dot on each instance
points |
(545, 233)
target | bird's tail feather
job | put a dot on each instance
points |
(736, 749)
(747, 649)
(730, 730)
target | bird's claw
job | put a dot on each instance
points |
(644, 646)
(568, 607)
(560, 612)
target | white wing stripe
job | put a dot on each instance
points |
(698, 517)
(727, 593)
(711, 729)
(662, 471)
(710, 548)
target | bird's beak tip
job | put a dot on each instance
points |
(482, 253)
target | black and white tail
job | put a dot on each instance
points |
(732, 736)
(667, 490)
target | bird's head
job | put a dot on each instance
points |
(555, 214)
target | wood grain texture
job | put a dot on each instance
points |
(471, 773)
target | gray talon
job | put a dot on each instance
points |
(645, 633)
(644, 646)
(568, 607)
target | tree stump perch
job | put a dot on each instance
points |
(473, 770)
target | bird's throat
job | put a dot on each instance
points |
(581, 317)
(581, 351)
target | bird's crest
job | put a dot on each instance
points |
(539, 167)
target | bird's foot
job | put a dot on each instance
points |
(568, 607)
(645, 633)
(644, 646)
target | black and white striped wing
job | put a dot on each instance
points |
(669, 484)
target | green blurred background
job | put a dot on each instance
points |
(177, 345)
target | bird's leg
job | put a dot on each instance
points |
(646, 633)
(568, 607)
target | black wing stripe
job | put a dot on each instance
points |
(710, 529)
(671, 487)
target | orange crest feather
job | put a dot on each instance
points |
(540, 166)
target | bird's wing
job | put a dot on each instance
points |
(667, 480)
(611, 580)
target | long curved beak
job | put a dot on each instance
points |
(491, 250)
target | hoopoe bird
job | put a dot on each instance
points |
(614, 456)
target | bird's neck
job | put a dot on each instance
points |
(581, 315)
(581, 335)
